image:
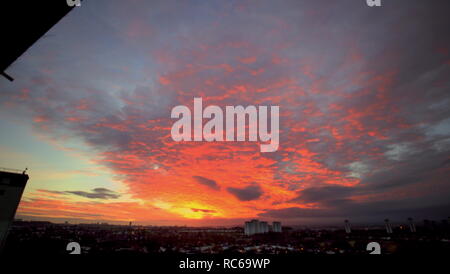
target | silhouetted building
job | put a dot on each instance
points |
(276, 227)
(412, 226)
(247, 228)
(11, 189)
(347, 227)
(388, 226)
(256, 227)
(263, 227)
(253, 227)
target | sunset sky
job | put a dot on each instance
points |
(364, 97)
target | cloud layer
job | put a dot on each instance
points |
(363, 96)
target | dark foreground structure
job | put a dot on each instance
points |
(12, 185)
(23, 23)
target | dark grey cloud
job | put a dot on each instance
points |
(96, 193)
(296, 212)
(338, 203)
(417, 186)
(360, 212)
(249, 193)
(52, 191)
(207, 182)
(324, 194)
(203, 210)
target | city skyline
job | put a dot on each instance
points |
(362, 94)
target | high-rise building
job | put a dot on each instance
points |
(12, 185)
(276, 227)
(247, 228)
(256, 227)
(263, 227)
(388, 226)
(347, 227)
(412, 226)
